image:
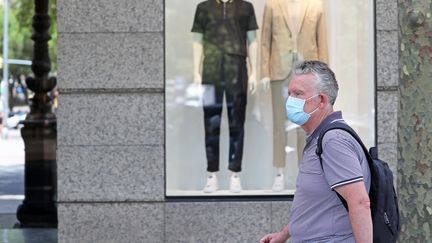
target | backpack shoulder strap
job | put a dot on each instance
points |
(347, 128)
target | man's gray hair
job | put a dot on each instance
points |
(324, 76)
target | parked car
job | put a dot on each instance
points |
(14, 119)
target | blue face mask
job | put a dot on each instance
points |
(295, 110)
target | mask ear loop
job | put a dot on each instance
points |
(313, 96)
(317, 106)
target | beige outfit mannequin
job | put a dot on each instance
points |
(292, 30)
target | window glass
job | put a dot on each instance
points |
(222, 130)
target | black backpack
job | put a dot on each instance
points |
(382, 195)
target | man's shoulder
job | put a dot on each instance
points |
(341, 140)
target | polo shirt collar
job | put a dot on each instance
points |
(337, 115)
(220, 1)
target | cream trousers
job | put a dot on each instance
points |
(281, 138)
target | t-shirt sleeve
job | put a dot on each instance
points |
(198, 24)
(341, 161)
(252, 25)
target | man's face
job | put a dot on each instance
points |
(302, 87)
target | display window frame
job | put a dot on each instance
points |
(169, 196)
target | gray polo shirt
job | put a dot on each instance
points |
(317, 214)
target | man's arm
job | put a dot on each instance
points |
(359, 210)
(277, 237)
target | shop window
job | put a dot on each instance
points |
(219, 127)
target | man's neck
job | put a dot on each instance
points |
(314, 122)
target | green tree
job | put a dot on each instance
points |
(415, 129)
(20, 30)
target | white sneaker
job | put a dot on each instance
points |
(235, 185)
(211, 185)
(279, 183)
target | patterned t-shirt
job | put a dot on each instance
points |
(224, 26)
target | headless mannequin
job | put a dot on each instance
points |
(294, 8)
(252, 57)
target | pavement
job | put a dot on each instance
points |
(28, 236)
(11, 176)
(12, 193)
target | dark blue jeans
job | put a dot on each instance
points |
(228, 75)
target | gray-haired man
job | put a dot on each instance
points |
(317, 214)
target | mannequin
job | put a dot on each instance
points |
(299, 35)
(221, 55)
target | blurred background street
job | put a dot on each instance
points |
(11, 176)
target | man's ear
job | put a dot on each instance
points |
(324, 100)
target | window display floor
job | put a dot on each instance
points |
(266, 192)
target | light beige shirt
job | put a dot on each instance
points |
(294, 7)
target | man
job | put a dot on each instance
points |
(317, 214)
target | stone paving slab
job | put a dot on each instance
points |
(8, 221)
(28, 235)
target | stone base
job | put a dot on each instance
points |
(37, 217)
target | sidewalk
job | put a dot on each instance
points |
(12, 194)
(28, 235)
(11, 177)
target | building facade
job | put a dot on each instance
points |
(111, 130)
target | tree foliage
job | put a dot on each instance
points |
(21, 13)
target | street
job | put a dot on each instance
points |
(11, 176)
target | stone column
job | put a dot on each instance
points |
(110, 121)
(415, 116)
